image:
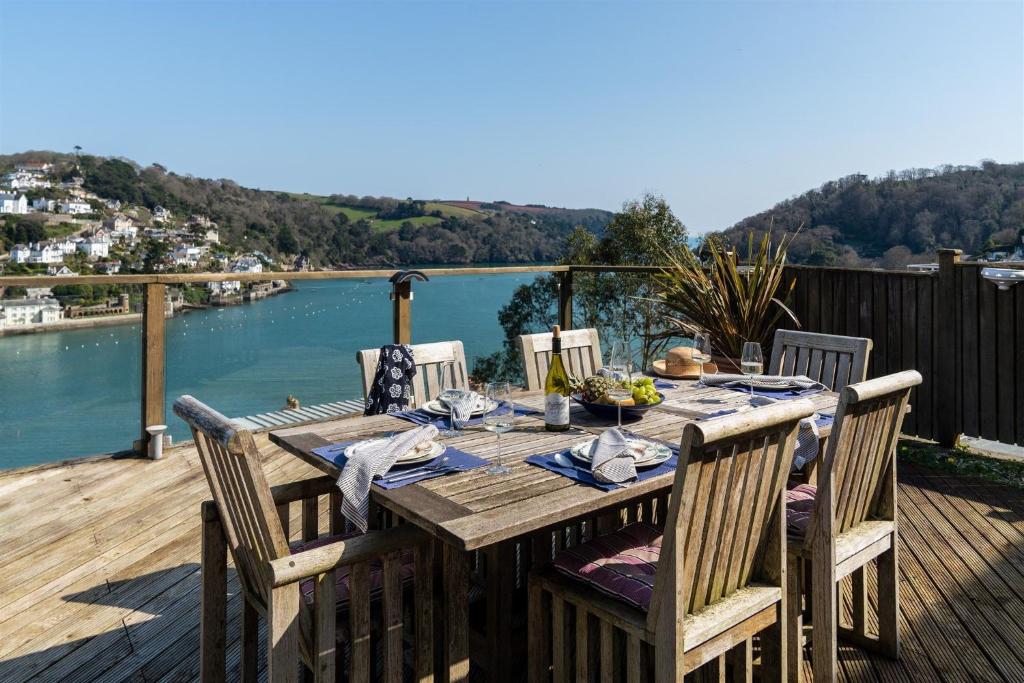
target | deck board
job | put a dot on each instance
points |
(99, 575)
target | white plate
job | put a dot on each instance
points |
(648, 454)
(410, 458)
(435, 407)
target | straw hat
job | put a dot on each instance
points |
(679, 364)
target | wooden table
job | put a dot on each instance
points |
(506, 517)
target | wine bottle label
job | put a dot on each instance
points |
(556, 409)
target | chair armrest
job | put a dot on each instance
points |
(310, 563)
(283, 494)
(303, 489)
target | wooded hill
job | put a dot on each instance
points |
(334, 231)
(898, 218)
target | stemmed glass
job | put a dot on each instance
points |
(701, 351)
(751, 362)
(450, 393)
(500, 418)
(619, 364)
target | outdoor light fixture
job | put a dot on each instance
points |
(1004, 278)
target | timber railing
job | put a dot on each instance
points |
(964, 335)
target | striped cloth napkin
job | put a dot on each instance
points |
(611, 462)
(808, 438)
(722, 379)
(462, 408)
(367, 463)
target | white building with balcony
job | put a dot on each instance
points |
(26, 312)
(75, 206)
(43, 204)
(20, 253)
(247, 264)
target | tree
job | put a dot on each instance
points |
(286, 242)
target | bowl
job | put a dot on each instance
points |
(610, 411)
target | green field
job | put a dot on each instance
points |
(355, 213)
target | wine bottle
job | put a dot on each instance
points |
(556, 388)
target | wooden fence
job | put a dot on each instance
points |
(962, 333)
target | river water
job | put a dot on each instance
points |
(75, 393)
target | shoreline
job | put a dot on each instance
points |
(66, 325)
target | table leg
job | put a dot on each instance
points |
(456, 596)
(501, 595)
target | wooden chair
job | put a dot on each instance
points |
(719, 577)
(848, 520)
(833, 360)
(302, 595)
(581, 353)
(429, 357)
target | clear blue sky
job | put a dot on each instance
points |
(722, 108)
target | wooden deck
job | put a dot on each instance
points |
(99, 573)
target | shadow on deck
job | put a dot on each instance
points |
(99, 579)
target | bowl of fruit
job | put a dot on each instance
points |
(592, 394)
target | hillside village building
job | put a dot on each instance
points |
(26, 312)
(13, 203)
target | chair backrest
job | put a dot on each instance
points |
(247, 512)
(726, 516)
(581, 353)
(426, 385)
(831, 359)
(857, 476)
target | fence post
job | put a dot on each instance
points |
(153, 315)
(565, 300)
(945, 365)
(401, 303)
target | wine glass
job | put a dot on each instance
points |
(619, 364)
(499, 418)
(751, 362)
(450, 393)
(701, 351)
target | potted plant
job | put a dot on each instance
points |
(734, 303)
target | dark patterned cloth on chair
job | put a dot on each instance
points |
(391, 389)
(799, 506)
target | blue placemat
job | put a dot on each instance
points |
(583, 476)
(421, 417)
(778, 393)
(458, 461)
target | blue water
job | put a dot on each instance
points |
(74, 393)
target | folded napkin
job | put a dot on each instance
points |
(808, 437)
(462, 408)
(662, 384)
(762, 381)
(368, 463)
(611, 462)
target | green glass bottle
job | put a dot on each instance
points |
(556, 388)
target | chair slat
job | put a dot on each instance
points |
(843, 360)
(359, 622)
(581, 353)
(392, 599)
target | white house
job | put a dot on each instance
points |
(20, 253)
(212, 236)
(23, 180)
(12, 203)
(161, 214)
(75, 206)
(60, 271)
(186, 255)
(66, 245)
(114, 204)
(23, 312)
(222, 288)
(95, 247)
(247, 264)
(117, 222)
(46, 253)
(47, 205)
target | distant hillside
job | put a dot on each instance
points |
(334, 231)
(900, 217)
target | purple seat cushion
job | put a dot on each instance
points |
(621, 564)
(799, 506)
(342, 588)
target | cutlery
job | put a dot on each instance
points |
(417, 471)
(563, 461)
